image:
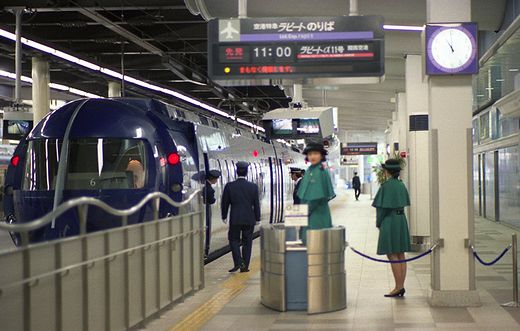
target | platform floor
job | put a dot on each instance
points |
(232, 302)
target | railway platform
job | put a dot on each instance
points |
(232, 301)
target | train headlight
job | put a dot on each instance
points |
(176, 187)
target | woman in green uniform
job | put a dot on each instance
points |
(394, 238)
(316, 189)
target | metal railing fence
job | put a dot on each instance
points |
(107, 280)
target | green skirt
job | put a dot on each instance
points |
(319, 217)
(394, 236)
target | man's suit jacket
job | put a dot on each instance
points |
(296, 198)
(208, 194)
(242, 196)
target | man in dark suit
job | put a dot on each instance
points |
(296, 175)
(242, 196)
(208, 193)
(356, 185)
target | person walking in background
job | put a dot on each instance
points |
(316, 190)
(394, 237)
(356, 185)
(243, 198)
(296, 176)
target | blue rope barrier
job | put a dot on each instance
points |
(394, 261)
(495, 260)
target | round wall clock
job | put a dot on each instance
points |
(451, 49)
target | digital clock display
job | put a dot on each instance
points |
(268, 54)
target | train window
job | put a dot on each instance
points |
(214, 124)
(94, 163)
(203, 120)
(189, 168)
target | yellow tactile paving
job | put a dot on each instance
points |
(230, 289)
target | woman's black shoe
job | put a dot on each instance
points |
(399, 294)
(235, 269)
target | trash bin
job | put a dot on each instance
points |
(297, 277)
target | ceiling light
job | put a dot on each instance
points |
(514, 69)
(500, 79)
(53, 86)
(114, 74)
(403, 27)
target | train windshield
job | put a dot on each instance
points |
(93, 163)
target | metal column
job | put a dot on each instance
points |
(40, 88)
(18, 56)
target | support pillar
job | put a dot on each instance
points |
(18, 57)
(297, 93)
(40, 88)
(114, 89)
(450, 100)
(394, 133)
(418, 148)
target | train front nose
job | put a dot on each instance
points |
(113, 170)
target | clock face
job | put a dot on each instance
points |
(451, 49)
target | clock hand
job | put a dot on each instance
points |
(452, 50)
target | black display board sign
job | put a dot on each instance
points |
(288, 48)
(359, 149)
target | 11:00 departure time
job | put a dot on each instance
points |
(280, 52)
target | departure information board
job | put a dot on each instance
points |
(292, 48)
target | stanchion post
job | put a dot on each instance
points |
(514, 247)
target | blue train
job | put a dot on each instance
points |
(119, 150)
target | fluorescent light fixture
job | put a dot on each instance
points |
(188, 81)
(403, 27)
(114, 74)
(480, 95)
(514, 69)
(500, 80)
(53, 86)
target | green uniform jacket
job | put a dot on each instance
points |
(390, 201)
(316, 190)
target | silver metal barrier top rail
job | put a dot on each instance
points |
(83, 203)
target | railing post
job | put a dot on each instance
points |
(82, 213)
(156, 203)
(24, 236)
(514, 247)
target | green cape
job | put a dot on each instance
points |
(392, 194)
(316, 184)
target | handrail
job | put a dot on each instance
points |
(86, 201)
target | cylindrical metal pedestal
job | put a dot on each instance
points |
(321, 277)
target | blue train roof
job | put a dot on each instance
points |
(107, 118)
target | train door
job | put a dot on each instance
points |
(189, 161)
(208, 213)
(228, 175)
(282, 195)
(272, 185)
(233, 170)
(213, 211)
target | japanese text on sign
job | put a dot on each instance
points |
(318, 26)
